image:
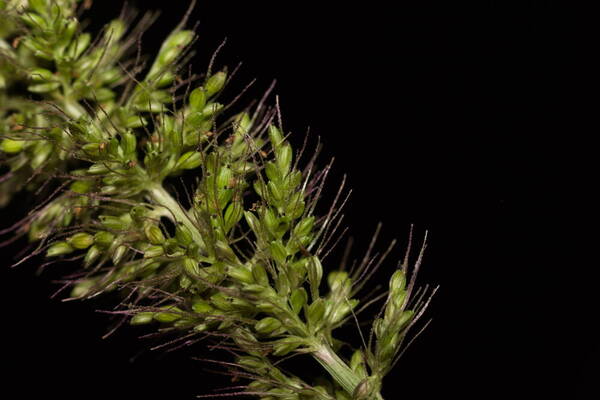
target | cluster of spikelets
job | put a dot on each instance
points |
(96, 130)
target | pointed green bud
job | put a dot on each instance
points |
(201, 307)
(315, 313)
(272, 171)
(225, 177)
(211, 109)
(338, 280)
(154, 234)
(357, 363)
(267, 325)
(275, 191)
(138, 213)
(183, 235)
(275, 136)
(82, 288)
(185, 282)
(304, 227)
(295, 205)
(215, 83)
(300, 267)
(260, 275)
(44, 87)
(114, 149)
(189, 160)
(135, 121)
(129, 143)
(224, 251)
(241, 274)
(154, 251)
(103, 238)
(119, 253)
(142, 318)
(398, 281)
(233, 214)
(253, 222)
(82, 186)
(243, 124)
(102, 95)
(113, 223)
(405, 318)
(260, 188)
(41, 75)
(251, 363)
(285, 346)
(70, 30)
(110, 189)
(79, 45)
(10, 146)
(166, 78)
(170, 315)
(169, 51)
(398, 298)
(337, 313)
(92, 255)
(298, 299)
(198, 99)
(34, 20)
(294, 179)
(97, 169)
(81, 240)
(59, 249)
(271, 221)
(221, 301)
(379, 327)
(115, 30)
(315, 274)
(191, 267)
(278, 251)
(284, 158)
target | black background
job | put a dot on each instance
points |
(463, 118)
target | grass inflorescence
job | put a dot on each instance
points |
(100, 132)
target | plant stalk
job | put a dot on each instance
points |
(174, 211)
(338, 369)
